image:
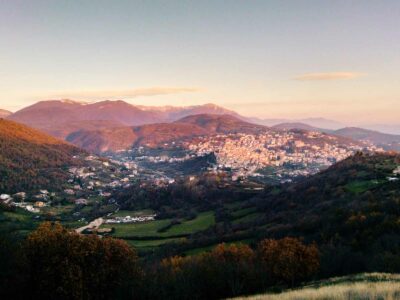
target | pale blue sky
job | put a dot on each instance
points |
(257, 57)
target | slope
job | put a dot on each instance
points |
(30, 159)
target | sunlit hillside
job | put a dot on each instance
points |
(30, 159)
(362, 286)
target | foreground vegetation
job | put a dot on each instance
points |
(363, 286)
(54, 263)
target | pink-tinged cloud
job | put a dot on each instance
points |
(328, 76)
(129, 93)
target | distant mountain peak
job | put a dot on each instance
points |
(296, 125)
(211, 105)
(4, 113)
(69, 101)
(207, 117)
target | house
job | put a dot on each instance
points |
(5, 197)
(81, 201)
(396, 171)
(393, 178)
(20, 195)
(104, 194)
(30, 208)
(39, 204)
(69, 192)
(40, 197)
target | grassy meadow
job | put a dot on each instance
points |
(372, 286)
(152, 234)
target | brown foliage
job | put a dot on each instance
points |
(288, 259)
(67, 265)
(31, 160)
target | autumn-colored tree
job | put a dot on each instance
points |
(288, 260)
(233, 267)
(225, 271)
(67, 265)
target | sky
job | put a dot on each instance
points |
(270, 59)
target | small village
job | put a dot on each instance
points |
(87, 185)
(308, 151)
(130, 219)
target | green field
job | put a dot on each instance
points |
(147, 235)
(124, 213)
(201, 222)
(138, 229)
(151, 229)
(20, 222)
(358, 187)
(243, 212)
(247, 218)
(153, 243)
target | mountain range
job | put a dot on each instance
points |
(384, 140)
(314, 122)
(62, 117)
(155, 135)
(4, 113)
(117, 124)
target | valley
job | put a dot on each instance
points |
(199, 150)
(181, 189)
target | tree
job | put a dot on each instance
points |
(66, 265)
(288, 260)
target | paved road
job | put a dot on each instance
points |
(95, 224)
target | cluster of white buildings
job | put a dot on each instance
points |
(129, 219)
(255, 151)
(98, 178)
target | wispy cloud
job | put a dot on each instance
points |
(128, 93)
(328, 76)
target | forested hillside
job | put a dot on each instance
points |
(32, 160)
(351, 210)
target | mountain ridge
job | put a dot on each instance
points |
(50, 114)
(157, 134)
(5, 113)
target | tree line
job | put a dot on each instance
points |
(55, 263)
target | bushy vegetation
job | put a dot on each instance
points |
(54, 263)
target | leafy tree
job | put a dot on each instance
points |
(66, 265)
(288, 260)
